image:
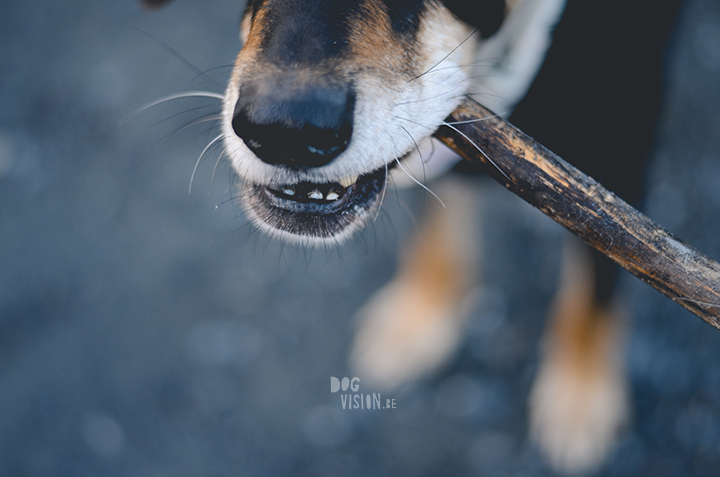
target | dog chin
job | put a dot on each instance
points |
(315, 214)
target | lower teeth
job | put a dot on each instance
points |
(329, 192)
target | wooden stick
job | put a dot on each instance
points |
(583, 206)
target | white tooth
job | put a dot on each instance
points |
(348, 181)
(332, 196)
(289, 191)
(315, 194)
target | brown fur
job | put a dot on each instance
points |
(375, 48)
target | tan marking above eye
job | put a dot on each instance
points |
(373, 45)
(251, 28)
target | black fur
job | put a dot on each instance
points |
(487, 15)
(597, 97)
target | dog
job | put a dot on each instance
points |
(330, 100)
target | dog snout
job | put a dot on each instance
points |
(300, 128)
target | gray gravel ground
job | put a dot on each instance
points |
(145, 331)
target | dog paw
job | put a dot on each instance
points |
(404, 335)
(576, 414)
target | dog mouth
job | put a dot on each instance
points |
(316, 213)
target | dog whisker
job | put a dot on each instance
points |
(187, 125)
(382, 196)
(417, 148)
(423, 161)
(484, 94)
(432, 151)
(470, 121)
(451, 94)
(415, 180)
(197, 163)
(467, 138)
(177, 55)
(445, 57)
(454, 95)
(430, 98)
(478, 148)
(195, 122)
(231, 200)
(173, 97)
(199, 120)
(217, 163)
(465, 66)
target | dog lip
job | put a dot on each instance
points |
(309, 212)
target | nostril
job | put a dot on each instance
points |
(326, 142)
(301, 129)
(254, 134)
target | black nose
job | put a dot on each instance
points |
(299, 128)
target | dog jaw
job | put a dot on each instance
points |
(404, 92)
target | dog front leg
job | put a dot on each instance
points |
(580, 400)
(413, 325)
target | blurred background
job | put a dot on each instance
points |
(148, 331)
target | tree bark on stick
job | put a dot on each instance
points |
(583, 206)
